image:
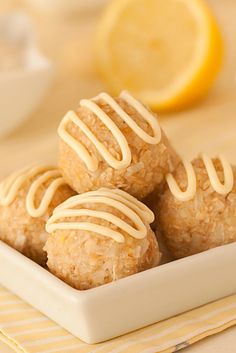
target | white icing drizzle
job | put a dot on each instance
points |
(10, 187)
(91, 162)
(117, 199)
(189, 193)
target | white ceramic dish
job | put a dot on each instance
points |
(114, 309)
(21, 88)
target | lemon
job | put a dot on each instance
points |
(166, 52)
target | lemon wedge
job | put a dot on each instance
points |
(166, 52)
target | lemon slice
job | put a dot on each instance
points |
(166, 52)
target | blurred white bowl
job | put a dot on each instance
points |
(21, 91)
(68, 6)
(22, 86)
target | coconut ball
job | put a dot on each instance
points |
(146, 158)
(99, 237)
(27, 199)
(205, 221)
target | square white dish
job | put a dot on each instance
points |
(114, 309)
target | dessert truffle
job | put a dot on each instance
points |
(197, 210)
(27, 200)
(114, 143)
(99, 237)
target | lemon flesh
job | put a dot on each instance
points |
(166, 52)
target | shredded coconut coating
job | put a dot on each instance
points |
(86, 260)
(24, 233)
(149, 163)
(205, 222)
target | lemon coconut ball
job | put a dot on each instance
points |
(114, 142)
(197, 210)
(27, 200)
(99, 237)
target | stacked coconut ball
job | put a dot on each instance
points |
(85, 220)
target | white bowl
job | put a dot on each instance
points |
(21, 92)
(21, 87)
(68, 6)
(99, 314)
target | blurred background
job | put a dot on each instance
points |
(55, 39)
